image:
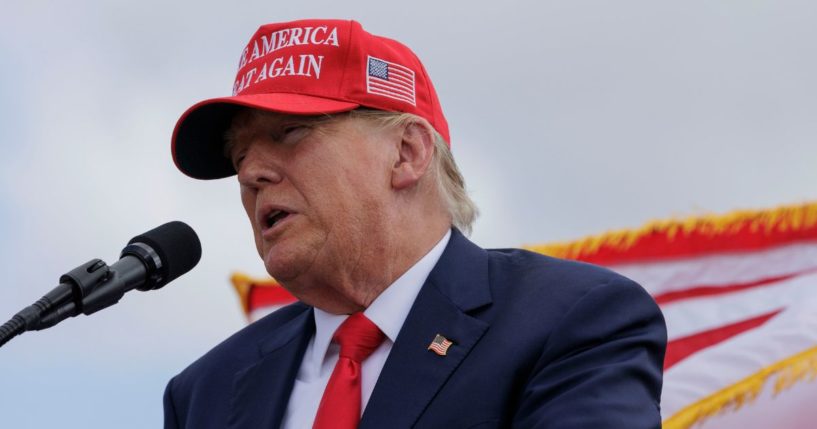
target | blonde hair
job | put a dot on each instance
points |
(449, 180)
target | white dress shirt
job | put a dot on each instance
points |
(388, 312)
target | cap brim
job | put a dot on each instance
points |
(198, 139)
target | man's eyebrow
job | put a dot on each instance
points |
(306, 120)
(232, 134)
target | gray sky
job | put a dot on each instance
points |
(567, 118)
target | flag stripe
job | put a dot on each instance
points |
(681, 348)
(385, 86)
(703, 291)
(696, 315)
(398, 69)
(391, 85)
(401, 72)
(669, 276)
(275, 295)
(745, 230)
(392, 95)
(376, 82)
(401, 78)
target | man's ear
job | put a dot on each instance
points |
(414, 154)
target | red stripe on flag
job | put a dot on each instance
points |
(269, 295)
(682, 348)
(701, 291)
(657, 246)
(743, 231)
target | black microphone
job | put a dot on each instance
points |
(148, 262)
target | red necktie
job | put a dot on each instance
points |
(340, 404)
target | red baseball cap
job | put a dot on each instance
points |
(307, 67)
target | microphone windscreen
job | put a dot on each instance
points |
(177, 245)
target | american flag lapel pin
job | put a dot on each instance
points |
(440, 345)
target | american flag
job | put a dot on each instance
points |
(440, 345)
(390, 80)
(739, 295)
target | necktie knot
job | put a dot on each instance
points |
(358, 337)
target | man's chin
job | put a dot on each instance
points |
(280, 270)
(283, 265)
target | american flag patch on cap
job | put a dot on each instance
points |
(390, 80)
(440, 345)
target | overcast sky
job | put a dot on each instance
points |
(567, 118)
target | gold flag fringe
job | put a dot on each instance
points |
(780, 219)
(243, 283)
(786, 373)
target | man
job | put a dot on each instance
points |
(342, 155)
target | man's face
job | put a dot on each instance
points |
(315, 191)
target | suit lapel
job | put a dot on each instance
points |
(262, 390)
(413, 375)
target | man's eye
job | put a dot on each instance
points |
(292, 133)
(237, 162)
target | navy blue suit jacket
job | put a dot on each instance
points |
(538, 342)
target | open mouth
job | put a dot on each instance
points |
(276, 216)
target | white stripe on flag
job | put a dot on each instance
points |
(392, 89)
(722, 269)
(695, 315)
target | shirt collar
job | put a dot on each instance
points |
(389, 310)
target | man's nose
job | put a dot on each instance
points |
(259, 168)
